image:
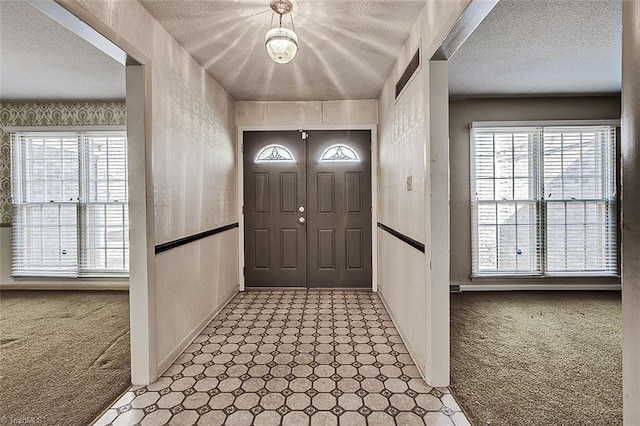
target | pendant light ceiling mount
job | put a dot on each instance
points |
(281, 7)
(281, 42)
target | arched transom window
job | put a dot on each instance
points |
(275, 153)
(339, 153)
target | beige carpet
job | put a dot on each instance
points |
(537, 358)
(64, 355)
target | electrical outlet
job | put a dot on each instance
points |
(409, 182)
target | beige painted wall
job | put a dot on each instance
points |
(191, 132)
(462, 113)
(404, 277)
(630, 218)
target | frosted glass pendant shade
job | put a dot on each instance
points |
(282, 44)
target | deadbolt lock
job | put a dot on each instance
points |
(301, 209)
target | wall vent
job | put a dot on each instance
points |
(414, 64)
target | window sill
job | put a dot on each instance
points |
(56, 285)
(551, 279)
(61, 278)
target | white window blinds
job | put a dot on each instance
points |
(505, 210)
(580, 200)
(70, 203)
(543, 200)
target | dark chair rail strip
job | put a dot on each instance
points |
(191, 238)
(413, 243)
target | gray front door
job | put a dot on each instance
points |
(307, 209)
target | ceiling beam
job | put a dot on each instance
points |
(79, 28)
(472, 16)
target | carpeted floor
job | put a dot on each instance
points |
(64, 355)
(537, 358)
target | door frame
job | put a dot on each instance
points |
(373, 128)
(141, 286)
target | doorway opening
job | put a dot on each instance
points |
(531, 104)
(63, 217)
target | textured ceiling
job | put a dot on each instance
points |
(537, 47)
(41, 60)
(524, 47)
(347, 48)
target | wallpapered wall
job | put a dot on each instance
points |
(47, 114)
(401, 153)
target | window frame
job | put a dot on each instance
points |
(277, 147)
(542, 225)
(81, 205)
(339, 148)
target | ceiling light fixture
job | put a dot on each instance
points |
(281, 42)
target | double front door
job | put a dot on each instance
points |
(307, 208)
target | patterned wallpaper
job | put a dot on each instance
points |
(47, 114)
(401, 154)
(194, 173)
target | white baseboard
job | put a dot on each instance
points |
(66, 286)
(406, 341)
(168, 360)
(515, 287)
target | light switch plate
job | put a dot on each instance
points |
(409, 182)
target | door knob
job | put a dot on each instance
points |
(301, 220)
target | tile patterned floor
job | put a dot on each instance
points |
(300, 358)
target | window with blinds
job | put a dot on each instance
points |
(70, 201)
(543, 200)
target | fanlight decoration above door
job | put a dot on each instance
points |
(339, 153)
(275, 153)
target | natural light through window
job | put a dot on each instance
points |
(339, 153)
(275, 153)
(544, 200)
(70, 201)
